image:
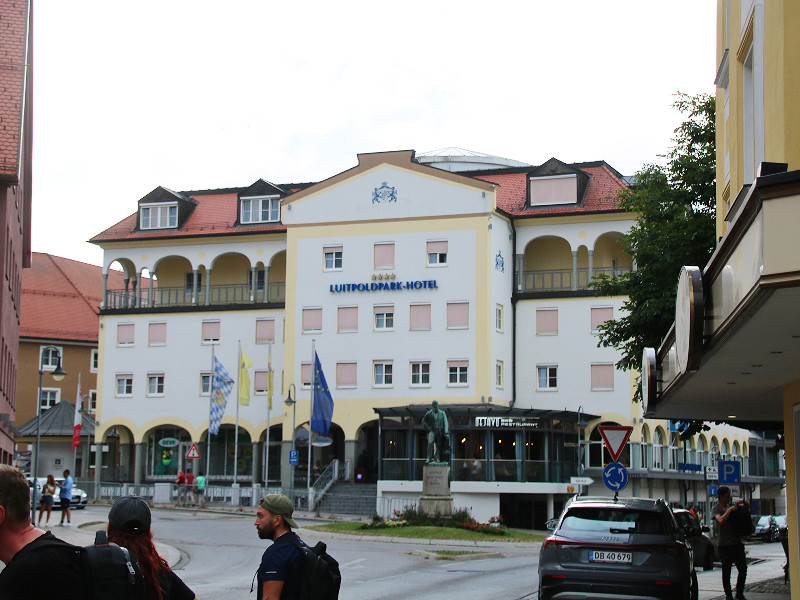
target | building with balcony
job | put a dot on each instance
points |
(733, 353)
(413, 278)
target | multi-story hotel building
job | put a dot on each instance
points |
(452, 276)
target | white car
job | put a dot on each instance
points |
(79, 497)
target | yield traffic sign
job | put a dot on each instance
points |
(615, 437)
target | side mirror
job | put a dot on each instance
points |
(551, 524)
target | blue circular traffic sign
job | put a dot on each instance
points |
(615, 476)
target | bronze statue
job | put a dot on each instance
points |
(435, 423)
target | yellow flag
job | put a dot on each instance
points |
(244, 378)
(269, 379)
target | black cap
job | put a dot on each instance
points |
(130, 513)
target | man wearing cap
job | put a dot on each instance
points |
(34, 559)
(279, 572)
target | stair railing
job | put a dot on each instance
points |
(323, 483)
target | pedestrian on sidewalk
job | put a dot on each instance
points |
(189, 487)
(279, 572)
(48, 499)
(731, 548)
(36, 568)
(129, 526)
(200, 490)
(65, 497)
(180, 482)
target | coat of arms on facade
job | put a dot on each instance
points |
(499, 263)
(384, 194)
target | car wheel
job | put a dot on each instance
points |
(694, 591)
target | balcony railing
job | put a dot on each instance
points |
(563, 280)
(164, 297)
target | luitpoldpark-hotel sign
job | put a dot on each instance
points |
(383, 284)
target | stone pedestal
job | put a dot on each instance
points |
(436, 498)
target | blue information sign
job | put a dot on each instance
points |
(294, 457)
(712, 490)
(615, 476)
(730, 472)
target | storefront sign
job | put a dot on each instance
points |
(505, 422)
(168, 442)
(383, 286)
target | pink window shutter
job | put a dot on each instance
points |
(547, 321)
(458, 314)
(346, 374)
(603, 376)
(125, 334)
(384, 256)
(265, 330)
(437, 247)
(312, 319)
(348, 318)
(158, 333)
(601, 315)
(420, 317)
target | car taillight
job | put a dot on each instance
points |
(557, 541)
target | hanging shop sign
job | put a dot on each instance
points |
(168, 442)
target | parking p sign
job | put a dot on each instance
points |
(729, 472)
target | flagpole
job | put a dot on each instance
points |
(236, 430)
(269, 410)
(210, 405)
(311, 414)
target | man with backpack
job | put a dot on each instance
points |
(278, 574)
(35, 562)
(731, 549)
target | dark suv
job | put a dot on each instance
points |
(630, 547)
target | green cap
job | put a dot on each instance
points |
(278, 504)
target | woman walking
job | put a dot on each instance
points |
(48, 495)
(129, 526)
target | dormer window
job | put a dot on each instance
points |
(261, 210)
(158, 216)
(554, 189)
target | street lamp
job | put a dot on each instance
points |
(58, 374)
(293, 403)
(581, 428)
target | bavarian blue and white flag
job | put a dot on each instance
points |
(221, 386)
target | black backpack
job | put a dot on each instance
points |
(742, 522)
(110, 571)
(320, 578)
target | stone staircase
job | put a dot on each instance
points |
(346, 498)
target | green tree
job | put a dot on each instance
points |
(676, 207)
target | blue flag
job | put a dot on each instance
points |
(323, 402)
(221, 386)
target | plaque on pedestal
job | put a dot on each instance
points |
(436, 498)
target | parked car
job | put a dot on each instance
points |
(766, 528)
(79, 497)
(629, 547)
(702, 546)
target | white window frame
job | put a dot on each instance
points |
(461, 375)
(94, 361)
(158, 378)
(499, 375)
(48, 391)
(306, 385)
(386, 323)
(92, 402)
(386, 376)
(335, 256)
(254, 213)
(550, 374)
(125, 344)
(261, 279)
(51, 355)
(205, 384)
(126, 377)
(436, 259)
(210, 341)
(166, 216)
(499, 314)
(423, 370)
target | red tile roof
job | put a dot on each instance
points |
(13, 39)
(61, 298)
(215, 214)
(601, 195)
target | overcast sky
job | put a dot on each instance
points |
(195, 95)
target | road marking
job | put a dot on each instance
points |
(353, 562)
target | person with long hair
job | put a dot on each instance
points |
(129, 526)
(48, 499)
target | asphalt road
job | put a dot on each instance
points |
(222, 553)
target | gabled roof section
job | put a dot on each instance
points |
(398, 158)
(61, 299)
(262, 188)
(57, 421)
(162, 194)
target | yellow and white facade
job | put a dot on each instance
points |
(412, 284)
